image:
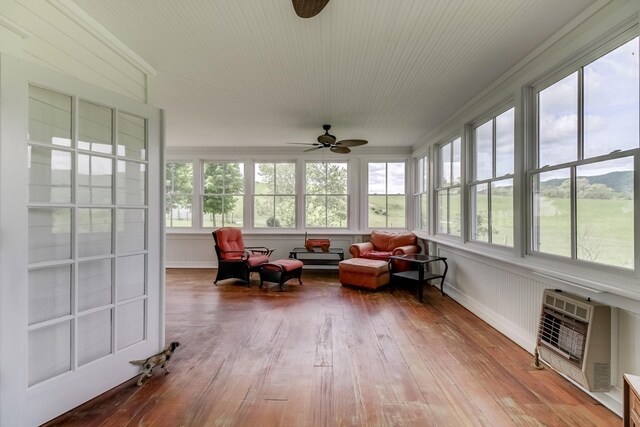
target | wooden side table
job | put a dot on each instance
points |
(631, 400)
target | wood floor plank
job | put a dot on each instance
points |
(325, 355)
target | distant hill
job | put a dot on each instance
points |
(620, 182)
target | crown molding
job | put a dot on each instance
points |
(83, 19)
(12, 26)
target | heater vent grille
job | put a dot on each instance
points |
(574, 338)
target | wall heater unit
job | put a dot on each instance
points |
(574, 337)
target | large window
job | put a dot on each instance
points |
(421, 197)
(274, 203)
(386, 198)
(179, 192)
(491, 190)
(448, 189)
(326, 196)
(223, 194)
(587, 146)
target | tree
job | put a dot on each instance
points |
(326, 189)
(222, 181)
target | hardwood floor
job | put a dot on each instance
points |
(323, 355)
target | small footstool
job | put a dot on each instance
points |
(364, 273)
(281, 270)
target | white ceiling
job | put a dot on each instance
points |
(252, 73)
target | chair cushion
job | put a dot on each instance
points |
(284, 264)
(255, 260)
(230, 242)
(380, 255)
(385, 241)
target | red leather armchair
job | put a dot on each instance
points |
(383, 244)
(235, 260)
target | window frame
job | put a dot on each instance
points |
(347, 195)
(442, 187)
(532, 168)
(422, 191)
(193, 186)
(203, 194)
(474, 182)
(275, 194)
(386, 194)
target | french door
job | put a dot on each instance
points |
(81, 278)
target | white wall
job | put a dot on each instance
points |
(57, 34)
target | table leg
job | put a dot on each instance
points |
(446, 267)
(421, 283)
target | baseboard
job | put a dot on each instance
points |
(190, 264)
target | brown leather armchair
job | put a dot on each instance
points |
(383, 244)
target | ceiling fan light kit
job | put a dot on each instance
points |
(327, 140)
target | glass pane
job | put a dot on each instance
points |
(480, 216)
(337, 211)
(213, 178)
(95, 124)
(94, 232)
(132, 140)
(285, 211)
(315, 182)
(443, 212)
(558, 122)
(233, 178)
(233, 211)
(49, 117)
(94, 336)
(49, 352)
(502, 212)
(315, 211)
(611, 101)
(377, 178)
(505, 143)
(265, 178)
(49, 234)
(131, 183)
(454, 212)
(456, 160)
(94, 284)
(605, 211)
(445, 166)
(423, 216)
(49, 293)
(264, 212)
(178, 211)
(552, 212)
(337, 178)
(94, 180)
(396, 211)
(395, 178)
(212, 211)
(179, 178)
(130, 324)
(49, 175)
(130, 278)
(377, 211)
(131, 226)
(483, 151)
(285, 178)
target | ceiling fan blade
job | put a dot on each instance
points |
(303, 143)
(351, 142)
(340, 150)
(314, 148)
(308, 8)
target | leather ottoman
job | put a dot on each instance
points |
(281, 270)
(364, 273)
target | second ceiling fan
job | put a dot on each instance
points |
(329, 141)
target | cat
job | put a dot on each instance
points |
(161, 359)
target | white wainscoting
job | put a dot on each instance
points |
(509, 299)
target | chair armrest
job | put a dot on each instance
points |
(259, 250)
(408, 249)
(243, 254)
(357, 249)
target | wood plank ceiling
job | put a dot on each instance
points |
(252, 73)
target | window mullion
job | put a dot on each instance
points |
(573, 195)
(580, 136)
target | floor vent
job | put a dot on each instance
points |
(574, 337)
